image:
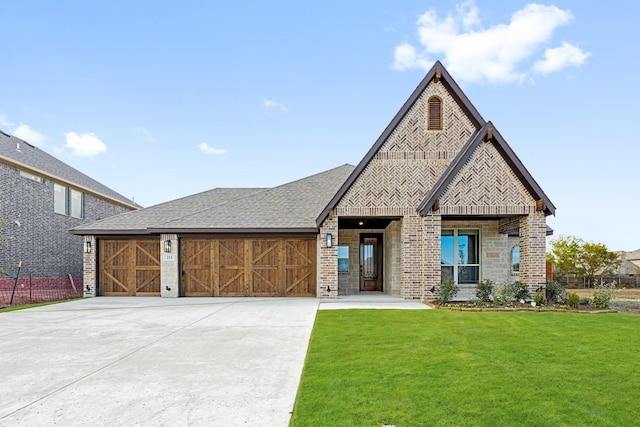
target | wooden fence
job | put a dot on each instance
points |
(582, 282)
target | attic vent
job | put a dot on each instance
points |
(18, 146)
(435, 113)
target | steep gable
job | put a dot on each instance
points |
(408, 158)
(486, 178)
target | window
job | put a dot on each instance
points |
(31, 176)
(435, 113)
(77, 205)
(67, 201)
(343, 259)
(60, 199)
(515, 260)
(460, 252)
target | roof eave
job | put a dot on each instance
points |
(299, 230)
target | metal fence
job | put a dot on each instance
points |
(583, 282)
(31, 290)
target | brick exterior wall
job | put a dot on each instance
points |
(90, 267)
(533, 240)
(412, 257)
(169, 267)
(431, 257)
(35, 234)
(327, 283)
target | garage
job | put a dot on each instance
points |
(248, 267)
(129, 267)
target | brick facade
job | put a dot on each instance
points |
(327, 283)
(35, 234)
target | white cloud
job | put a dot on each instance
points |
(29, 135)
(84, 145)
(269, 103)
(498, 54)
(206, 148)
(4, 121)
(560, 57)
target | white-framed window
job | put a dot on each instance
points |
(60, 199)
(77, 203)
(460, 255)
(515, 260)
(343, 259)
(31, 176)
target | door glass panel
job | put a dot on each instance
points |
(370, 258)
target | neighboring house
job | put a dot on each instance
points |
(41, 198)
(630, 265)
(439, 194)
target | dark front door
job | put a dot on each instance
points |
(371, 262)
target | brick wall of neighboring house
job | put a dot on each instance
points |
(35, 234)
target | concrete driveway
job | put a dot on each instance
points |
(154, 361)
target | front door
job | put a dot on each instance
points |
(371, 262)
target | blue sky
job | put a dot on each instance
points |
(163, 99)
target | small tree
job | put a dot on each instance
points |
(595, 259)
(564, 254)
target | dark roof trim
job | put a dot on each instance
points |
(448, 81)
(507, 153)
(233, 230)
(96, 232)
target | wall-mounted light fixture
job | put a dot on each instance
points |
(167, 245)
(329, 240)
(87, 247)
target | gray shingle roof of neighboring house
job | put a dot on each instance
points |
(291, 207)
(23, 155)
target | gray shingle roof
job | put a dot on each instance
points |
(23, 155)
(291, 207)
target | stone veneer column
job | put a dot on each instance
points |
(89, 266)
(533, 235)
(431, 256)
(327, 283)
(169, 267)
(411, 262)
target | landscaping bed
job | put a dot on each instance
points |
(478, 306)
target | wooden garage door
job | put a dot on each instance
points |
(248, 267)
(129, 267)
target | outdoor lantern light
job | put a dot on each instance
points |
(87, 247)
(167, 245)
(329, 240)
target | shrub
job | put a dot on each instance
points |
(521, 291)
(585, 301)
(484, 290)
(448, 290)
(602, 295)
(556, 293)
(540, 298)
(503, 294)
(573, 300)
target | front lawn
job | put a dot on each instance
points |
(438, 367)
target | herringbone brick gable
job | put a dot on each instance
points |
(486, 180)
(412, 158)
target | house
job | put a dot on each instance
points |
(630, 263)
(41, 198)
(439, 194)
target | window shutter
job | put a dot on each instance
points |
(435, 113)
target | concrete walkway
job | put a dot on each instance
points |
(117, 361)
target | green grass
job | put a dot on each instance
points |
(40, 304)
(440, 367)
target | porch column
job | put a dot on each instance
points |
(328, 260)
(89, 261)
(431, 256)
(411, 268)
(169, 266)
(533, 235)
